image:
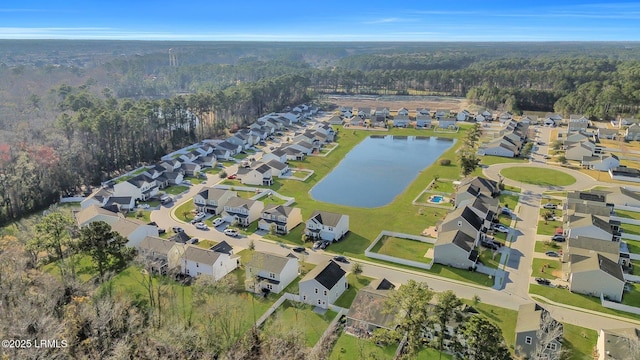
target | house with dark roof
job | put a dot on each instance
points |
(463, 218)
(592, 226)
(244, 211)
(323, 285)
(278, 168)
(328, 226)
(284, 218)
(278, 155)
(367, 312)
(610, 134)
(269, 271)
(293, 153)
(501, 146)
(140, 187)
(423, 121)
(623, 196)
(212, 200)
(624, 173)
(577, 123)
(337, 120)
(455, 248)
(96, 213)
(618, 344)
(206, 161)
(98, 197)
(258, 175)
(587, 246)
(190, 169)
(596, 275)
(401, 121)
(122, 202)
(579, 150)
(233, 149)
(538, 335)
(486, 186)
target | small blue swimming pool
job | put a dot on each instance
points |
(437, 199)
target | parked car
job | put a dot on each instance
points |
(193, 241)
(199, 216)
(161, 231)
(299, 249)
(202, 226)
(558, 238)
(552, 254)
(324, 245)
(218, 222)
(550, 206)
(543, 281)
(540, 143)
(186, 182)
(231, 232)
(502, 229)
(232, 176)
(490, 245)
(166, 199)
(341, 259)
(177, 229)
(317, 244)
(143, 206)
(505, 211)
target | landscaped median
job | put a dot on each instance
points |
(538, 176)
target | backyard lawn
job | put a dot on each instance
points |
(631, 229)
(355, 284)
(444, 186)
(628, 214)
(84, 267)
(301, 317)
(176, 189)
(488, 259)
(548, 227)
(350, 347)
(403, 248)
(579, 341)
(142, 215)
(538, 176)
(508, 200)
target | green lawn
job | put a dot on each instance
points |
(195, 180)
(628, 214)
(350, 347)
(142, 215)
(491, 160)
(548, 227)
(509, 200)
(564, 296)
(176, 189)
(538, 176)
(514, 189)
(206, 244)
(632, 298)
(355, 284)
(552, 270)
(184, 212)
(631, 229)
(84, 267)
(505, 220)
(579, 342)
(444, 186)
(505, 319)
(301, 316)
(634, 246)
(487, 258)
(213, 170)
(403, 248)
(151, 203)
(461, 275)
(544, 246)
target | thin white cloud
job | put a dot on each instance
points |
(385, 21)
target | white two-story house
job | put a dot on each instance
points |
(270, 271)
(323, 225)
(323, 285)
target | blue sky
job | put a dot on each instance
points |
(325, 20)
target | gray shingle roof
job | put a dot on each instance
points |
(326, 218)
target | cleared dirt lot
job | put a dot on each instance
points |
(396, 102)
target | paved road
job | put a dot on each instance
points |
(514, 294)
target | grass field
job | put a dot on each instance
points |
(583, 301)
(631, 229)
(176, 189)
(538, 176)
(85, 268)
(509, 200)
(628, 214)
(544, 246)
(301, 317)
(403, 248)
(491, 160)
(355, 284)
(547, 268)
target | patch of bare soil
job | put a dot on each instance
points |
(396, 102)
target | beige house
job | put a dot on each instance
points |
(212, 200)
(455, 248)
(596, 275)
(245, 211)
(270, 272)
(618, 344)
(284, 218)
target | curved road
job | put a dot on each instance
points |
(516, 288)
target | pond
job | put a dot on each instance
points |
(378, 169)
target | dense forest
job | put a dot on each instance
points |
(74, 113)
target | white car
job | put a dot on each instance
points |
(550, 206)
(143, 206)
(199, 216)
(231, 232)
(217, 222)
(202, 226)
(502, 229)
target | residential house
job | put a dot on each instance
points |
(618, 344)
(140, 187)
(305, 147)
(588, 246)
(601, 163)
(364, 113)
(356, 121)
(455, 248)
(505, 117)
(609, 134)
(222, 154)
(551, 122)
(502, 146)
(463, 115)
(293, 153)
(233, 149)
(98, 197)
(632, 132)
(596, 275)
(212, 200)
(188, 157)
(423, 112)
(267, 272)
(557, 118)
(133, 230)
(629, 121)
(463, 218)
(623, 196)
(382, 111)
(170, 164)
(96, 213)
(278, 168)
(170, 178)
(593, 199)
(591, 226)
(529, 119)
(346, 109)
(284, 218)
(244, 211)
(155, 252)
(446, 123)
(216, 262)
(367, 312)
(126, 203)
(328, 226)
(538, 335)
(624, 173)
(441, 114)
(580, 150)
(208, 161)
(576, 138)
(401, 121)
(423, 121)
(337, 120)
(403, 111)
(485, 186)
(190, 169)
(578, 123)
(323, 285)
(259, 175)
(278, 154)
(486, 208)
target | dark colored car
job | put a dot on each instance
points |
(558, 238)
(299, 249)
(543, 281)
(341, 259)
